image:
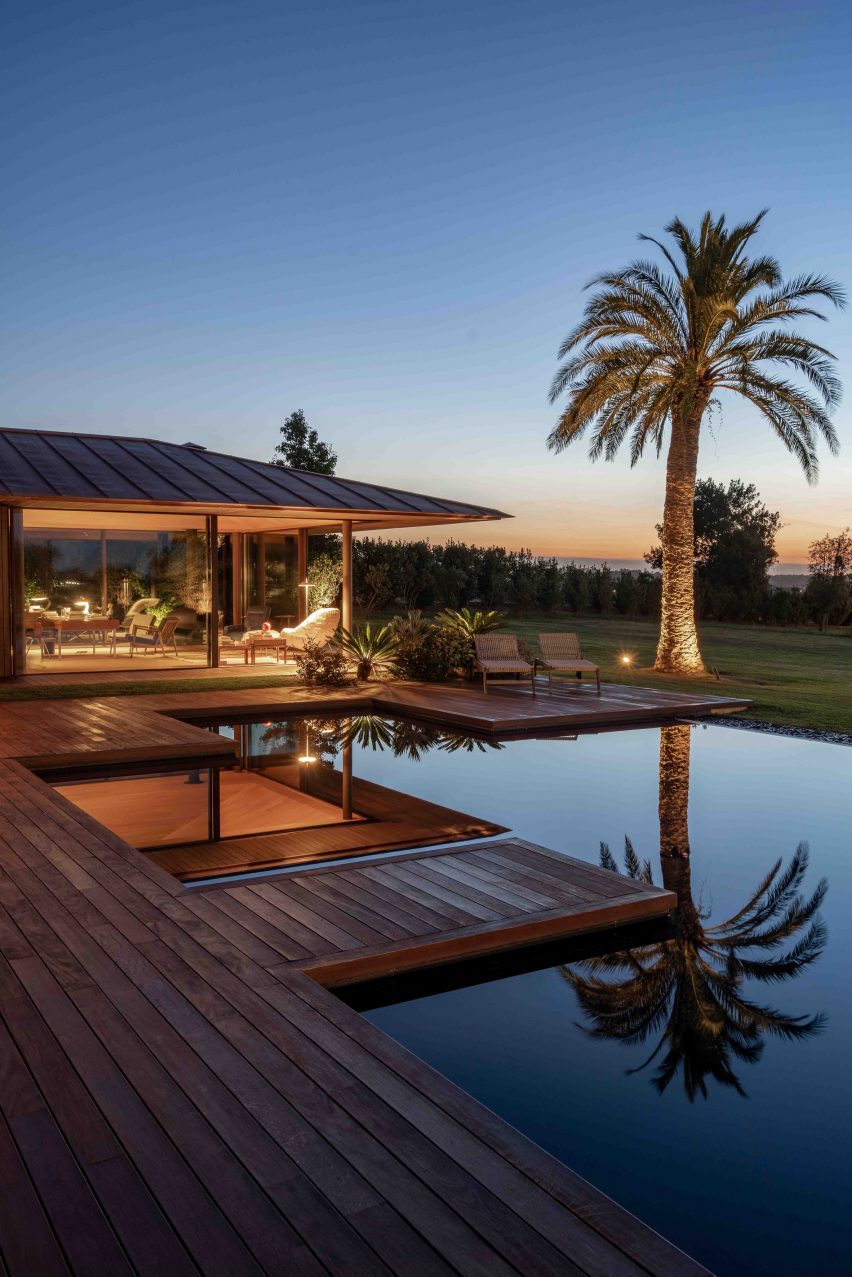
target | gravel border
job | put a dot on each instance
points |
(776, 729)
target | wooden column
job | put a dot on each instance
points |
(18, 591)
(302, 571)
(103, 574)
(237, 608)
(212, 522)
(346, 784)
(214, 805)
(261, 569)
(346, 586)
(7, 628)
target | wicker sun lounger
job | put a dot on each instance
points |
(498, 654)
(562, 654)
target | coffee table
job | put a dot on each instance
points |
(250, 650)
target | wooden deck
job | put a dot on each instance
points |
(53, 733)
(181, 1092)
(512, 708)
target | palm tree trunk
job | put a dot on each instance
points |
(675, 746)
(677, 650)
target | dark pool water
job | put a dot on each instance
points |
(733, 1140)
(750, 1181)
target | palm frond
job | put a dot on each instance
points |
(655, 343)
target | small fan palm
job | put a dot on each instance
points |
(466, 622)
(654, 349)
(690, 988)
(372, 650)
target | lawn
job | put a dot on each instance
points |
(798, 678)
(46, 688)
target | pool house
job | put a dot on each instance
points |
(93, 527)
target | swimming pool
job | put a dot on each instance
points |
(606, 1064)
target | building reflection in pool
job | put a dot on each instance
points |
(690, 992)
(291, 797)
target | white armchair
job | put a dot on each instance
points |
(319, 626)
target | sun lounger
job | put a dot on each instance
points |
(562, 654)
(498, 654)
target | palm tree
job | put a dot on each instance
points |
(654, 349)
(690, 988)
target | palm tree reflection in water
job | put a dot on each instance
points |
(402, 737)
(691, 989)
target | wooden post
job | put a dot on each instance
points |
(302, 606)
(346, 588)
(18, 591)
(261, 569)
(7, 618)
(237, 579)
(103, 574)
(346, 803)
(214, 805)
(212, 522)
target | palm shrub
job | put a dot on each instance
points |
(427, 651)
(372, 650)
(463, 624)
(651, 354)
(469, 623)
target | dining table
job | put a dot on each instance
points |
(55, 629)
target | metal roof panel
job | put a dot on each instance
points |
(91, 467)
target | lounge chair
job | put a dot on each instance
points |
(320, 627)
(136, 614)
(499, 654)
(562, 654)
(150, 638)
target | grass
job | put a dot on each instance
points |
(49, 689)
(795, 677)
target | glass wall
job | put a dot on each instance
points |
(269, 575)
(110, 589)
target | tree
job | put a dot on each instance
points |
(652, 352)
(301, 447)
(829, 591)
(734, 544)
(691, 988)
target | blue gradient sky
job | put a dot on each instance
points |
(383, 213)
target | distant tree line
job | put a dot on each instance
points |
(416, 574)
(399, 576)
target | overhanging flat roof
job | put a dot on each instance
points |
(52, 468)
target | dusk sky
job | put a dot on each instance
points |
(384, 214)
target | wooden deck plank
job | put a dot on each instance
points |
(275, 1182)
